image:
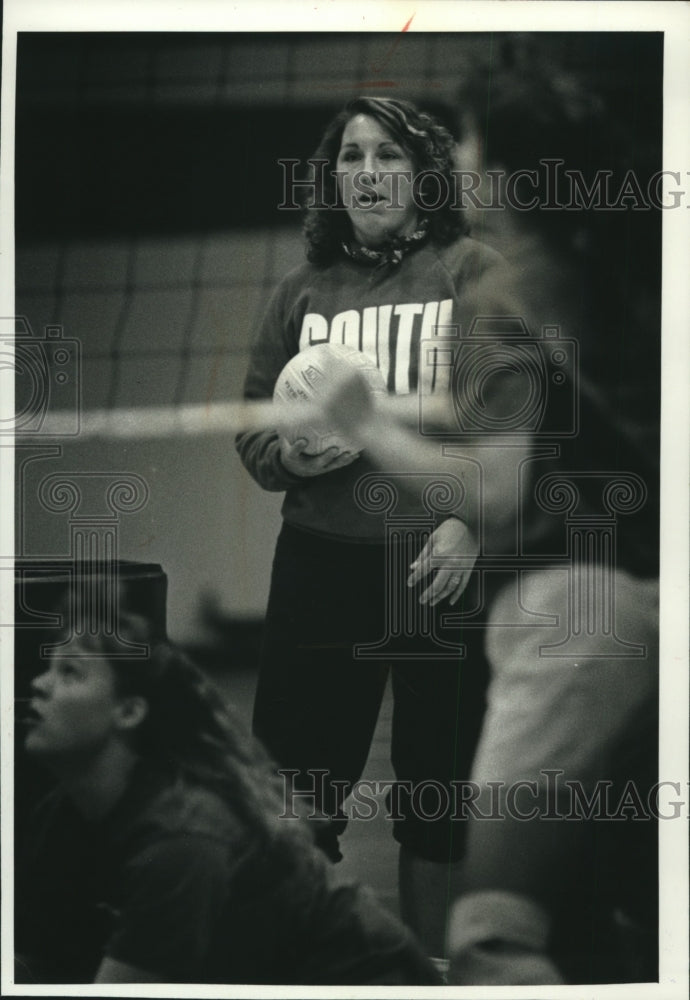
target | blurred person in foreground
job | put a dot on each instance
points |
(164, 853)
(559, 879)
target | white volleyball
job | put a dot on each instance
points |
(313, 375)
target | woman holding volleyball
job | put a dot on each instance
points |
(390, 267)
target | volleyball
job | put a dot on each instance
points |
(311, 377)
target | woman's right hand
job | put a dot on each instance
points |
(299, 464)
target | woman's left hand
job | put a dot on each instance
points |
(450, 553)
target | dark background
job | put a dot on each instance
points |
(147, 185)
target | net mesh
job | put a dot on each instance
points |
(160, 287)
(153, 240)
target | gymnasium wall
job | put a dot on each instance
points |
(148, 228)
(147, 187)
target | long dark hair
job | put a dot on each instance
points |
(189, 731)
(428, 144)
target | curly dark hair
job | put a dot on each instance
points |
(190, 732)
(428, 144)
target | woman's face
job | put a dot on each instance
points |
(75, 709)
(379, 204)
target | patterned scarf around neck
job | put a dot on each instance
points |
(392, 252)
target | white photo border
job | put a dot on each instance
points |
(673, 20)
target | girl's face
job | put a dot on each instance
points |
(375, 177)
(75, 709)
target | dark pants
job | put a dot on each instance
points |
(317, 701)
